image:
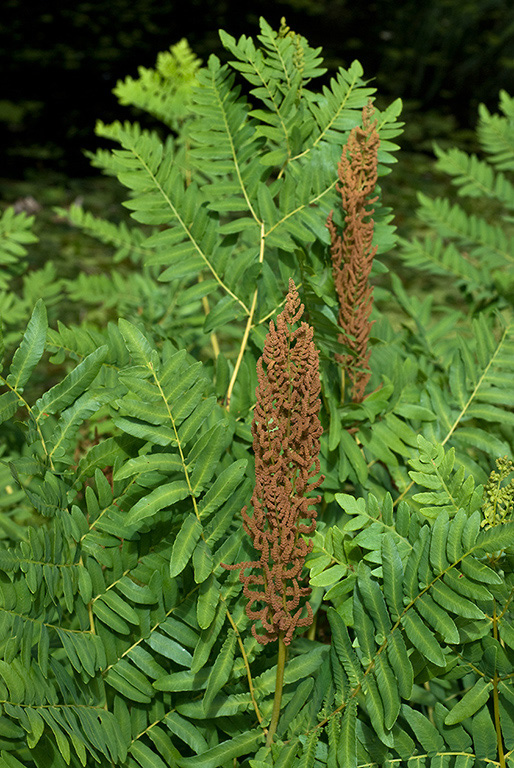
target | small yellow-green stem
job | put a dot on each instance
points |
(311, 633)
(277, 701)
(248, 328)
(245, 660)
(207, 309)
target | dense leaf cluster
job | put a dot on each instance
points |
(123, 640)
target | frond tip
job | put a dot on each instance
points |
(286, 431)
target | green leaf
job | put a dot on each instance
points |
(13, 681)
(400, 662)
(343, 645)
(347, 744)
(437, 618)
(375, 709)
(9, 403)
(133, 688)
(187, 680)
(300, 696)
(330, 576)
(221, 670)
(9, 761)
(308, 754)
(388, 689)
(225, 752)
(117, 604)
(454, 602)
(30, 350)
(137, 344)
(498, 537)
(110, 618)
(202, 561)
(479, 571)
(62, 742)
(209, 451)
(164, 496)
(187, 732)
(208, 599)
(470, 703)
(393, 575)
(226, 311)
(207, 639)
(150, 462)
(438, 542)
(168, 648)
(73, 385)
(287, 754)
(184, 544)
(484, 734)
(223, 486)
(354, 455)
(374, 600)
(427, 734)
(422, 638)
(146, 757)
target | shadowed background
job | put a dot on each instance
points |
(60, 61)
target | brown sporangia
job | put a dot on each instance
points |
(352, 253)
(286, 432)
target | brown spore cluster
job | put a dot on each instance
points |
(352, 252)
(286, 432)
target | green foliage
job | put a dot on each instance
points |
(474, 243)
(14, 235)
(166, 90)
(123, 639)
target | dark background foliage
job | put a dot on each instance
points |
(60, 61)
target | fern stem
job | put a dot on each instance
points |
(245, 660)
(247, 329)
(179, 445)
(277, 701)
(311, 632)
(207, 309)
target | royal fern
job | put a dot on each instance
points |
(124, 639)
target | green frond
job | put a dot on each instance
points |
(434, 469)
(126, 241)
(434, 255)
(164, 92)
(30, 350)
(15, 234)
(496, 133)
(474, 177)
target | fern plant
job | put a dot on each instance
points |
(125, 639)
(473, 243)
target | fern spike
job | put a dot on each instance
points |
(286, 431)
(352, 253)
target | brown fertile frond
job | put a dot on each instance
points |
(352, 254)
(286, 432)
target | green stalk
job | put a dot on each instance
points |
(277, 701)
